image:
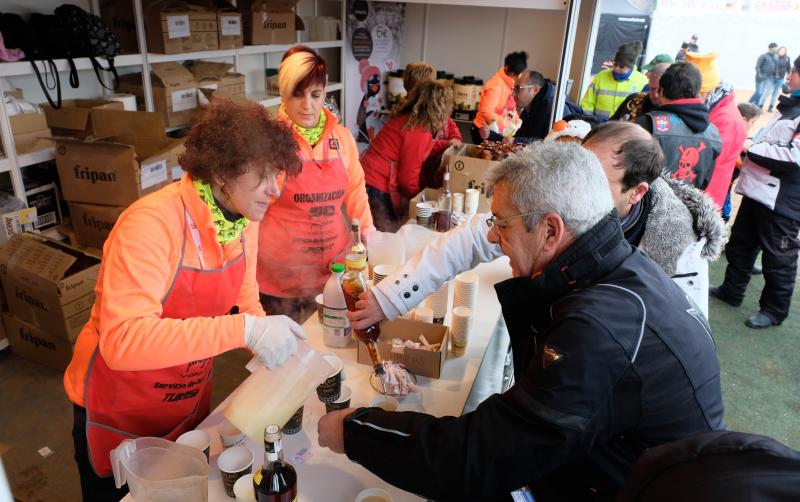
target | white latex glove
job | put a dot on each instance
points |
(272, 338)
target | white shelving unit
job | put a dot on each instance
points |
(248, 56)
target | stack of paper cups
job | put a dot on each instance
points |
(466, 290)
(380, 272)
(424, 212)
(471, 201)
(462, 324)
(424, 314)
(438, 303)
(458, 202)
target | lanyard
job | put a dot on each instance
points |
(195, 237)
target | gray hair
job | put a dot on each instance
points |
(556, 177)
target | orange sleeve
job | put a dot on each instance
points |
(248, 300)
(490, 100)
(355, 198)
(137, 272)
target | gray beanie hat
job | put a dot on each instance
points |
(628, 53)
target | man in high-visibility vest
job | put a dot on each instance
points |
(612, 85)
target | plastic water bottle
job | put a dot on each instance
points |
(335, 325)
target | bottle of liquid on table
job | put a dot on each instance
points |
(445, 205)
(354, 283)
(335, 325)
(277, 479)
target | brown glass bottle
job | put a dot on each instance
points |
(277, 479)
(353, 285)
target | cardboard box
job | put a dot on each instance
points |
(419, 362)
(168, 27)
(48, 284)
(92, 223)
(37, 345)
(30, 132)
(74, 118)
(174, 92)
(465, 166)
(230, 26)
(3, 337)
(204, 28)
(119, 17)
(215, 79)
(269, 22)
(134, 157)
(48, 210)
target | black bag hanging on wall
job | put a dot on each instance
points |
(18, 34)
(91, 38)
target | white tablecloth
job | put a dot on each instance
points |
(325, 476)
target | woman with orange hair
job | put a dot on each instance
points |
(307, 229)
(177, 286)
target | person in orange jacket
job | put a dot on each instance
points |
(497, 98)
(307, 229)
(177, 286)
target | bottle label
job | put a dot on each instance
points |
(335, 317)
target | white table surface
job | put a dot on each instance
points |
(324, 476)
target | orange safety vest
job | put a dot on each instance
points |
(165, 402)
(304, 231)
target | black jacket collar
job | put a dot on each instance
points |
(596, 253)
(789, 106)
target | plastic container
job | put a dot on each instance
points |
(158, 470)
(335, 325)
(272, 396)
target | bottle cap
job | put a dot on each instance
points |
(337, 268)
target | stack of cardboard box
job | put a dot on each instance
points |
(122, 156)
(216, 80)
(49, 290)
(174, 92)
(270, 21)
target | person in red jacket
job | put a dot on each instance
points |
(724, 114)
(393, 162)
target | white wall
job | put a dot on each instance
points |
(740, 37)
(469, 40)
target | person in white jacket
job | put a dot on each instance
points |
(677, 226)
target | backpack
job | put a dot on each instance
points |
(729, 466)
(18, 34)
(89, 37)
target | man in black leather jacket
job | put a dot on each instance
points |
(610, 356)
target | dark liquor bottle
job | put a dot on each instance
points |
(445, 206)
(277, 479)
(354, 283)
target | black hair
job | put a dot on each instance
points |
(533, 77)
(516, 62)
(680, 81)
(797, 64)
(749, 111)
(639, 154)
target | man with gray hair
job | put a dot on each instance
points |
(610, 358)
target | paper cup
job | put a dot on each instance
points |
(424, 314)
(458, 202)
(234, 463)
(424, 209)
(462, 324)
(471, 198)
(243, 489)
(329, 390)
(438, 301)
(373, 495)
(466, 290)
(341, 403)
(320, 307)
(386, 403)
(229, 435)
(295, 423)
(199, 439)
(380, 272)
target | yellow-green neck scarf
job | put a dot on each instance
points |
(226, 230)
(312, 134)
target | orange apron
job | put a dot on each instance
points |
(169, 401)
(304, 232)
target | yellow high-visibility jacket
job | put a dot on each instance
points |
(605, 94)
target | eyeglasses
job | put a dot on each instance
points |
(518, 88)
(493, 222)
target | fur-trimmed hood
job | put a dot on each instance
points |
(679, 216)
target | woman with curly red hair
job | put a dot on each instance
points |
(307, 229)
(177, 286)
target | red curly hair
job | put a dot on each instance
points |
(232, 137)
